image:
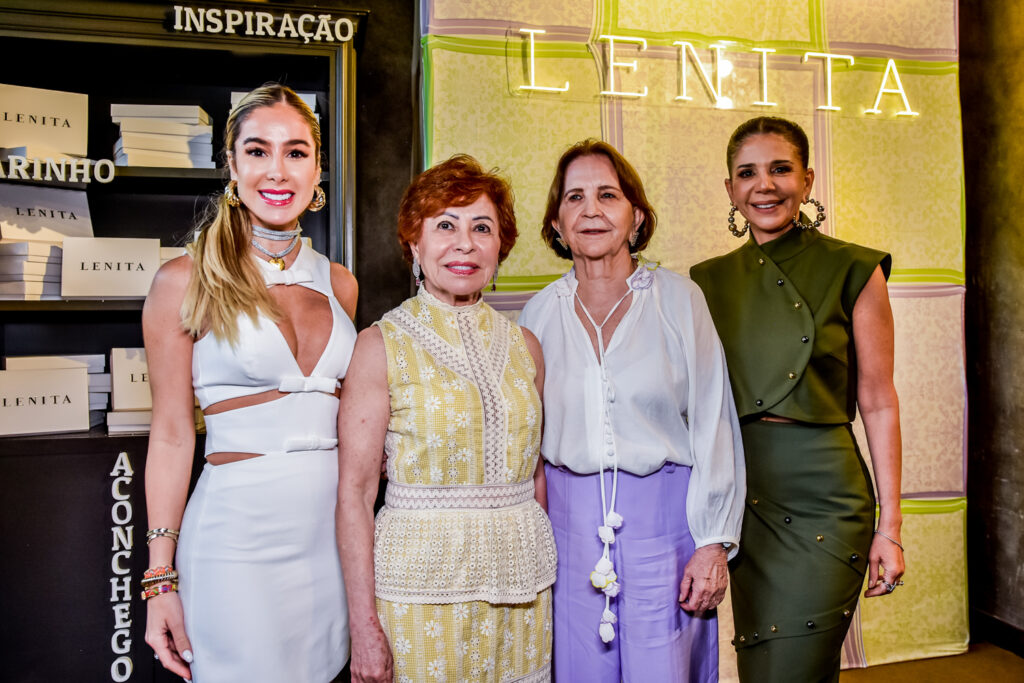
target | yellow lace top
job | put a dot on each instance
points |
(460, 521)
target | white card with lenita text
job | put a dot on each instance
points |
(109, 267)
(43, 214)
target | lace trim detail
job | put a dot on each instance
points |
(482, 366)
(506, 555)
(441, 350)
(487, 369)
(406, 497)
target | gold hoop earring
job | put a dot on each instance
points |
(737, 232)
(319, 199)
(231, 194)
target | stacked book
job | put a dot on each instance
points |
(132, 403)
(167, 135)
(29, 270)
(131, 400)
(128, 421)
(95, 365)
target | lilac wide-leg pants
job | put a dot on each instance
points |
(655, 639)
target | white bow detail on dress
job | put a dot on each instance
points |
(301, 385)
(309, 443)
(292, 276)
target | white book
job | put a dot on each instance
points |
(129, 417)
(92, 362)
(19, 268)
(99, 381)
(29, 277)
(161, 159)
(130, 142)
(166, 127)
(40, 252)
(191, 113)
(41, 401)
(130, 380)
(136, 138)
(128, 429)
(56, 119)
(35, 152)
(33, 213)
(24, 290)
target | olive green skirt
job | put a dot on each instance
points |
(807, 527)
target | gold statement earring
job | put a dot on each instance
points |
(231, 194)
(561, 242)
(319, 199)
(737, 232)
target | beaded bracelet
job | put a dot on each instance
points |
(156, 571)
(155, 575)
(159, 578)
(162, 532)
(171, 587)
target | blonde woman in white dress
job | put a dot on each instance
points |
(258, 326)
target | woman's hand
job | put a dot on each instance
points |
(371, 658)
(165, 633)
(704, 580)
(885, 566)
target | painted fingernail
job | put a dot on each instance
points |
(187, 656)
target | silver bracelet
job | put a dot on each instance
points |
(890, 538)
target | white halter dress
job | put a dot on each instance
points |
(261, 582)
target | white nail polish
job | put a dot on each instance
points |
(187, 656)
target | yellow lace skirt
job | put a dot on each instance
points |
(469, 641)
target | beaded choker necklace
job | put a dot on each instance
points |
(276, 258)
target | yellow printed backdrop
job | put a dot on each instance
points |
(888, 181)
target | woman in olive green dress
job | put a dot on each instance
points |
(808, 334)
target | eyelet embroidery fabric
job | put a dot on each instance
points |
(460, 522)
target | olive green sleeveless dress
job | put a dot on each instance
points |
(784, 312)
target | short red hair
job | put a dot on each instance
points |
(459, 181)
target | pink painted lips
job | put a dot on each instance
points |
(461, 268)
(277, 197)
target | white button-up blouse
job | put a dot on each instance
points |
(665, 392)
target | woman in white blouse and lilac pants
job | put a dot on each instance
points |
(644, 458)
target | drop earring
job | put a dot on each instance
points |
(416, 271)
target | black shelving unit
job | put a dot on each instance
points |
(57, 489)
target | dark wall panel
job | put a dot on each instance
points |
(992, 96)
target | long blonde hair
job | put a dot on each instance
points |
(225, 280)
